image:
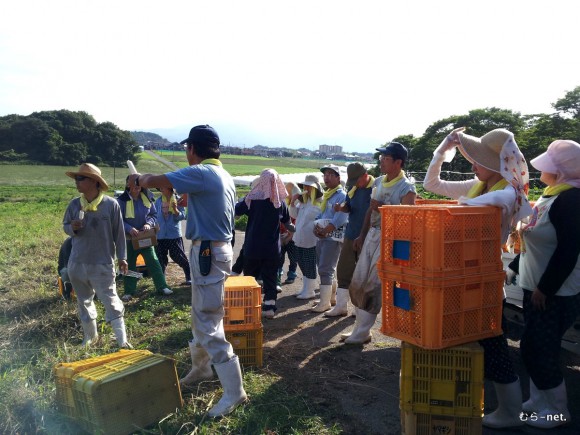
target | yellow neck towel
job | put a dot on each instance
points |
(476, 190)
(215, 162)
(91, 206)
(394, 180)
(352, 191)
(327, 195)
(556, 190)
(130, 208)
(170, 202)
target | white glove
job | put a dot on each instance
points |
(447, 148)
(510, 277)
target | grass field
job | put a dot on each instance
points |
(250, 165)
(38, 329)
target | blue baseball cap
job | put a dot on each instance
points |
(396, 150)
(202, 135)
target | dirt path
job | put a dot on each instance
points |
(359, 384)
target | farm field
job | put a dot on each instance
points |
(310, 383)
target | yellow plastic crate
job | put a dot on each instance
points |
(248, 346)
(64, 373)
(242, 303)
(427, 424)
(440, 313)
(442, 382)
(127, 394)
(441, 240)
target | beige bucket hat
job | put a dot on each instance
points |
(312, 180)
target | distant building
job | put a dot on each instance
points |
(330, 149)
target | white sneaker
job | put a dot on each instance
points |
(166, 292)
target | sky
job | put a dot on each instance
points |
(287, 74)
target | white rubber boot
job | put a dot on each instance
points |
(507, 414)
(556, 412)
(340, 309)
(200, 366)
(324, 304)
(120, 332)
(308, 287)
(230, 376)
(355, 327)
(90, 334)
(536, 402)
(362, 334)
(333, 294)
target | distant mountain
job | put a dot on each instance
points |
(145, 138)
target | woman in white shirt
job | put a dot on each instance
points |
(502, 181)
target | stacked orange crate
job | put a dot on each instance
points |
(243, 318)
(442, 279)
(440, 268)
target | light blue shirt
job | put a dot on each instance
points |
(337, 218)
(169, 227)
(211, 198)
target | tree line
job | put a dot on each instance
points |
(67, 138)
(533, 133)
(64, 137)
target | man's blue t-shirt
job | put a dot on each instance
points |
(211, 197)
(359, 205)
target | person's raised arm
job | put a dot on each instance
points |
(149, 180)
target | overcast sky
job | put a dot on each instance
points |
(297, 74)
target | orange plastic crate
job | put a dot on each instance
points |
(435, 314)
(426, 201)
(242, 303)
(248, 346)
(443, 382)
(442, 240)
(64, 372)
(428, 424)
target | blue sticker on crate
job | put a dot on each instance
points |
(402, 298)
(401, 249)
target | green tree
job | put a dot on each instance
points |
(477, 122)
(569, 104)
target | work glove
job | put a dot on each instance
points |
(447, 148)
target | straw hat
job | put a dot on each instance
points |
(312, 180)
(91, 171)
(484, 150)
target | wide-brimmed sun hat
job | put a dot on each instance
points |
(312, 180)
(484, 150)
(91, 171)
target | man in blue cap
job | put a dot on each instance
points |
(392, 188)
(210, 224)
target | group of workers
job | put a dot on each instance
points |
(337, 233)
